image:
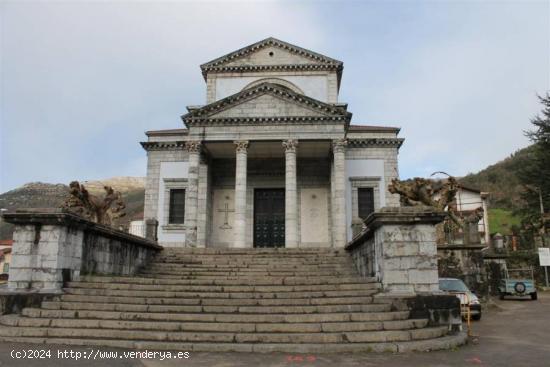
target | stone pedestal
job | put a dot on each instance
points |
(241, 152)
(291, 198)
(399, 248)
(151, 229)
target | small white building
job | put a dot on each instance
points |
(469, 199)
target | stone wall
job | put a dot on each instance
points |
(464, 262)
(398, 248)
(313, 181)
(389, 156)
(152, 184)
(53, 247)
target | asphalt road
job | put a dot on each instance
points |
(514, 333)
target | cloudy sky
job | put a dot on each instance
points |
(81, 81)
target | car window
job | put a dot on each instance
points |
(452, 285)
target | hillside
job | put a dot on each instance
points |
(45, 195)
(501, 180)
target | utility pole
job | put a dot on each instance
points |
(541, 205)
(543, 229)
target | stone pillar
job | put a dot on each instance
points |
(191, 193)
(202, 206)
(339, 191)
(151, 229)
(241, 152)
(399, 249)
(291, 197)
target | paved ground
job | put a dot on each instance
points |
(515, 333)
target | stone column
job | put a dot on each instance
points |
(191, 193)
(241, 152)
(339, 192)
(291, 198)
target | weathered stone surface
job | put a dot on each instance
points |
(311, 315)
(64, 246)
(398, 248)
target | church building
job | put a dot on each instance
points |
(270, 160)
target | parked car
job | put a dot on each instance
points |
(521, 283)
(466, 296)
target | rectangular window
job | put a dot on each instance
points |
(177, 206)
(366, 201)
(6, 268)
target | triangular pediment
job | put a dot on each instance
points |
(272, 52)
(266, 105)
(267, 100)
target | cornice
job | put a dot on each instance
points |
(375, 142)
(251, 121)
(163, 145)
(259, 68)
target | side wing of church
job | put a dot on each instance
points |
(271, 159)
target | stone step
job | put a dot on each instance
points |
(250, 267)
(228, 337)
(211, 273)
(244, 263)
(247, 277)
(255, 252)
(287, 309)
(221, 317)
(214, 326)
(446, 342)
(226, 288)
(234, 281)
(251, 295)
(255, 259)
(218, 301)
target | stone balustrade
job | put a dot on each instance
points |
(51, 247)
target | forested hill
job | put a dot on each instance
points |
(501, 180)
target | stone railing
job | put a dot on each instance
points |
(398, 247)
(51, 247)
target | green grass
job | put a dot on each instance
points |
(502, 220)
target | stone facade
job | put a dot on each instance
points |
(272, 121)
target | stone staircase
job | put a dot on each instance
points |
(222, 300)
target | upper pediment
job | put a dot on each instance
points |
(266, 102)
(271, 54)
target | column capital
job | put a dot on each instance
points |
(339, 145)
(193, 146)
(290, 145)
(241, 145)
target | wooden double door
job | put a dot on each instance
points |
(269, 217)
